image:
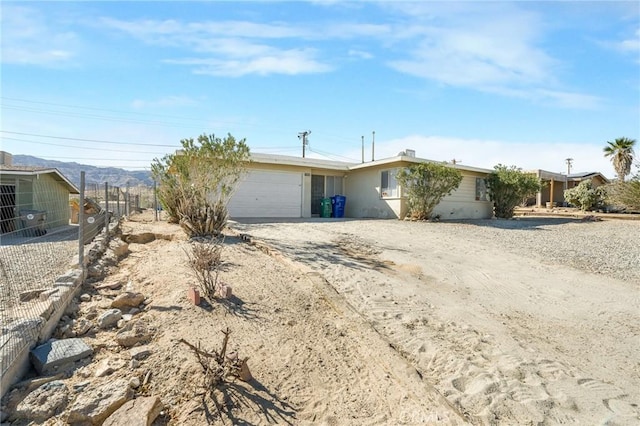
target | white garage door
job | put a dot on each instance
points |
(267, 194)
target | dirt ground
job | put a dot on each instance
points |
(313, 358)
(380, 322)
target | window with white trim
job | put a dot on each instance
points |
(388, 184)
(481, 190)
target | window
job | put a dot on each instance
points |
(388, 184)
(481, 189)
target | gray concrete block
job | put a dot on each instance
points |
(56, 353)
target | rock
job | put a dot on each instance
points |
(138, 412)
(95, 271)
(48, 357)
(25, 296)
(81, 386)
(224, 291)
(96, 403)
(109, 318)
(119, 247)
(85, 297)
(134, 311)
(127, 299)
(134, 364)
(48, 293)
(133, 333)
(127, 317)
(140, 352)
(82, 326)
(134, 382)
(121, 323)
(44, 402)
(110, 286)
(108, 366)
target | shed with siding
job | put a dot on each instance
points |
(34, 188)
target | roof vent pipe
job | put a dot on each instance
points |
(373, 146)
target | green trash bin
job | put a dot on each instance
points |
(325, 207)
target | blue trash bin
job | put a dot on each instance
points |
(338, 203)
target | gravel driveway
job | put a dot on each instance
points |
(526, 320)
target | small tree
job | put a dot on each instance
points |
(425, 184)
(196, 182)
(508, 186)
(585, 196)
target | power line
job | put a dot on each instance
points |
(80, 147)
(89, 140)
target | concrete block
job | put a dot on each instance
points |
(56, 353)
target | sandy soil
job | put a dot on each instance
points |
(507, 335)
(313, 358)
(382, 322)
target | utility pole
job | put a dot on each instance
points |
(569, 162)
(303, 136)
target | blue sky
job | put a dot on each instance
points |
(519, 83)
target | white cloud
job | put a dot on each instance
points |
(228, 48)
(27, 38)
(488, 153)
(273, 61)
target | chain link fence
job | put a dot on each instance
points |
(42, 262)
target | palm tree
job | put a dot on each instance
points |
(621, 153)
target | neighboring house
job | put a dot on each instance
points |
(554, 185)
(33, 188)
(284, 186)
(597, 179)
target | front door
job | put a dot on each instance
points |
(317, 193)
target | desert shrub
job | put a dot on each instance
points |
(196, 183)
(585, 196)
(508, 186)
(625, 194)
(425, 185)
(205, 258)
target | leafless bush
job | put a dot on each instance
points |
(219, 368)
(205, 259)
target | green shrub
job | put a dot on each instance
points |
(508, 186)
(425, 184)
(195, 183)
(585, 196)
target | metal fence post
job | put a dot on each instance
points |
(81, 225)
(106, 209)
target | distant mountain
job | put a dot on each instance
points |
(93, 175)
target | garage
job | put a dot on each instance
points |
(263, 193)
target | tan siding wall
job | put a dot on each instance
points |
(49, 195)
(363, 198)
(462, 204)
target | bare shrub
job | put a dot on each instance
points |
(205, 259)
(219, 368)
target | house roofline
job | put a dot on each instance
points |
(38, 171)
(297, 161)
(346, 166)
(416, 160)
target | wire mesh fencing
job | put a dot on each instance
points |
(41, 257)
